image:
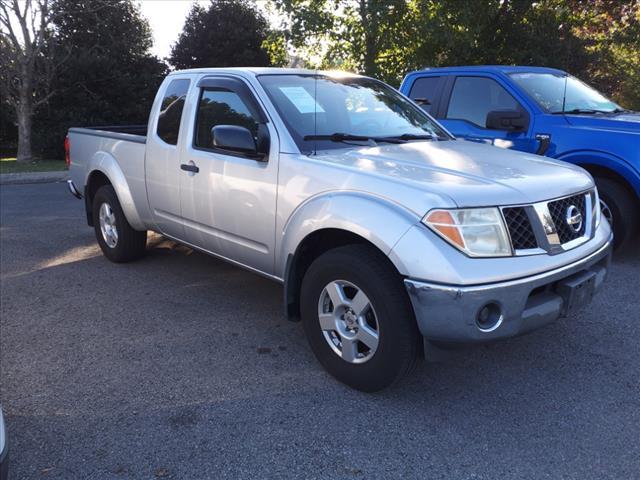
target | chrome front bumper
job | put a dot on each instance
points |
(449, 313)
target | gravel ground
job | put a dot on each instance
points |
(181, 366)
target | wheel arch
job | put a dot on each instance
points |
(597, 170)
(95, 180)
(608, 166)
(334, 220)
(103, 169)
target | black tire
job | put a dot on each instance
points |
(399, 338)
(130, 244)
(624, 211)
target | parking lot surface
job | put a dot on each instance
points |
(182, 366)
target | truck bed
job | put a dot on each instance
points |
(132, 133)
(117, 151)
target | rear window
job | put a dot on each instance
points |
(424, 92)
(171, 111)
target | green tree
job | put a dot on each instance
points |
(368, 36)
(228, 33)
(27, 63)
(453, 32)
(610, 30)
(597, 40)
(110, 76)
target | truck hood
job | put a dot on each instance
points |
(628, 122)
(467, 173)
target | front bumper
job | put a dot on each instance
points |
(449, 313)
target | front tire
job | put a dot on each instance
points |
(118, 241)
(619, 207)
(358, 319)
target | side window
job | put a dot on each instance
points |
(473, 98)
(220, 106)
(171, 111)
(423, 92)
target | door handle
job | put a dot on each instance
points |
(188, 167)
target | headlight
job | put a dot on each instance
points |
(478, 232)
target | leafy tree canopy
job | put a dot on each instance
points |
(228, 33)
(597, 40)
(109, 77)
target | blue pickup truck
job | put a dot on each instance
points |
(543, 111)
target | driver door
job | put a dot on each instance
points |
(229, 202)
(471, 100)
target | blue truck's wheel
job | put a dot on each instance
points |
(358, 318)
(623, 211)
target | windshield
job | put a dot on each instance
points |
(345, 107)
(548, 90)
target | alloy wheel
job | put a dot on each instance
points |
(348, 321)
(108, 225)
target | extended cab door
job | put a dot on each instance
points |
(465, 104)
(229, 199)
(162, 159)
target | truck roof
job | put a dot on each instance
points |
(261, 71)
(491, 68)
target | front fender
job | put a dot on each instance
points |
(378, 220)
(107, 164)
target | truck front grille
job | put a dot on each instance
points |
(558, 211)
(520, 229)
(553, 226)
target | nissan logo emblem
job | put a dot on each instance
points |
(573, 217)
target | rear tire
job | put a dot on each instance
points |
(117, 239)
(363, 276)
(623, 210)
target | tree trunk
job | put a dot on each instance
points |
(24, 114)
(370, 35)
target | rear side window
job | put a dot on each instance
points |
(221, 106)
(171, 111)
(473, 98)
(424, 93)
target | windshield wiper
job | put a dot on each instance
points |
(586, 111)
(620, 110)
(414, 136)
(346, 137)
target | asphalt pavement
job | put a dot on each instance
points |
(181, 366)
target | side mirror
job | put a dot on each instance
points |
(510, 120)
(234, 138)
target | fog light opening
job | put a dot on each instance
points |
(489, 317)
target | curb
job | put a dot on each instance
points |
(33, 177)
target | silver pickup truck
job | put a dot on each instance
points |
(383, 228)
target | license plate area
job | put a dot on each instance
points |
(576, 291)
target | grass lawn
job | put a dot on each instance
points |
(10, 165)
